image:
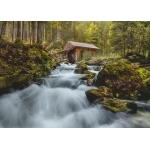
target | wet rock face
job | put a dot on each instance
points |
(104, 96)
(80, 68)
(100, 92)
(121, 77)
(89, 75)
(132, 106)
(145, 89)
(94, 62)
(114, 105)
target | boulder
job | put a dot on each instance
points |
(80, 68)
(145, 89)
(121, 77)
(100, 92)
(132, 106)
(89, 75)
(114, 105)
(93, 62)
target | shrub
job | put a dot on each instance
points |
(86, 56)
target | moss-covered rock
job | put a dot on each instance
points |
(93, 62)
(81, 67)
(100, 93)
(14, 82)
(148, 101)
(19, 64)
(121, 77)
(132, 106)
(89, 75)
(145, 89)
(114, 105)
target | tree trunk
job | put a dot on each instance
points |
(3, 29)
(58, 33)
(39, 32)
(51, 30)
(124, 50)
(19, 30)
(13, 30)
(33, 24)
(72, 30)
(43, 31)
(29, 32)
(22, 30)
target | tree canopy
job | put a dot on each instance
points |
(119, 37)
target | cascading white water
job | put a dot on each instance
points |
(61, 102)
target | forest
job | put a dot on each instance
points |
(108, 85)
(31, 47)
(112, 37)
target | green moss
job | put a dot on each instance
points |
(100, 92)
(118, 69)
(121, 77)
(89, 75)
(20, 63)
(143, 73)
(14, 80)
(114, 105)
(81, 67)
(146, 85)
(148, 101)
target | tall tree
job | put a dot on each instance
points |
(91, 34)
(43, 31)
(29, 32)
(40, 32)
(23, 30)
(19, 30)
(119, 35)
(13, 30)
(33, 24)
(3, 29)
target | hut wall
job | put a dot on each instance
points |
(77, 52)
(92, 51)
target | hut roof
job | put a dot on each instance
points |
(86, 45)
(70, 45)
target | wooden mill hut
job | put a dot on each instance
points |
(74, 50)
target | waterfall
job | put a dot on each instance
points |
(61, 102)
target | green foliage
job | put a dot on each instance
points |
(148, 57)
(91, 34)
(143, 73)
(86, 56)
(136, 57)
(114, 37)
(130, 36)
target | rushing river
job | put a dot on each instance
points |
(61, 103)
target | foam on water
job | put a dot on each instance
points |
(61, 102)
